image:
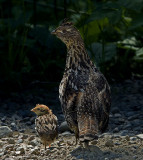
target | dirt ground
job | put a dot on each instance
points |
(122, 141)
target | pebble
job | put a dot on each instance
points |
(11, 141)
(19, 140)
(1, 153)
(115, 110)
(132, 142)
(132, 117)
(116, 130)
(21, 149)
(34, 142)
(35, 151)
(133, 138)
(24, 136)
(127, 138)
(64, 127)
(140, 136)
(13, 124)
(5, 131)
(124, 120)
(127, 126)
(117, 143)
(3, 118)
(124, 132)
(66, 133)
(109, 143)
(29, 146)
(117, 115)
(31, 138)
(17, 153)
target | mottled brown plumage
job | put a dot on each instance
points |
(84, 92)
(45, 124)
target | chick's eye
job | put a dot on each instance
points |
(42, 110)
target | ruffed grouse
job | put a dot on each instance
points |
(84, 92)
(45, 124)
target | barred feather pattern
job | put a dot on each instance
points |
(46, 127)
(84, 91)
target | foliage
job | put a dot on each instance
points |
(112, 31)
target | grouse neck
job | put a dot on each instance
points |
(77, 57)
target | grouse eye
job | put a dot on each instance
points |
(64, 31)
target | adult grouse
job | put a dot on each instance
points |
(84, 92)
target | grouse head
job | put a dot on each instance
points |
(41, 109)
(67, 32)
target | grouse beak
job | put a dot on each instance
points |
(53, 32)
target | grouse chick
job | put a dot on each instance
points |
(84, 92)
(45, 124)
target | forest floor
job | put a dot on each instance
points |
(122, 141)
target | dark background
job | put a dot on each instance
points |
(30, 56)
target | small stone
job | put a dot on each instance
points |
(47, 151)
(28, 123)
(64, 127)
(24, 136)
(11, 141)
(13, 124)
(15, 134)
(35, 151)
(29, 146)
(3, 118)
(140, 136)
(117, 143)
(132, 142)
(53, 150)
(31, 138)
(70, 143)
(34, 142)
(66, 133)
(127, 138)
(127, 126)
(21, 149)
(109, 143)
(2, 153)
(115, 110)
(135, 157)
(116, 129)
(5, 131)
(9, 147)
(19, 140)
(117, 115)
(124, 132)
(94, 142)
(17, 153)
(133, 138)
(132, 117)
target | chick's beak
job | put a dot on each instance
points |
(53, 32)
(32, 110)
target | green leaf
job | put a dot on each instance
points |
(102, 53)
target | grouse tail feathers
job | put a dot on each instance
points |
(88, 128)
